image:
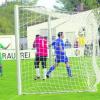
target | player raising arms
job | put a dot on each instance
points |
(59, 46)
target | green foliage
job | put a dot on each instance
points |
(7, 17)
(28, 18)
(71, 5)
(90, 4)
(68, 5)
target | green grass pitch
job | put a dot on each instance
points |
(8, 87)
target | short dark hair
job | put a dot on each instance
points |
(37, 35)
(60, 34)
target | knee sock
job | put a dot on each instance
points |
(51, 69)
(69, 71)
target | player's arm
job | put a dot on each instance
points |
(1, 46)
(7, 46)
(34, 44)
(53, 44)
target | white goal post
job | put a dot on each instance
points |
(31, 21)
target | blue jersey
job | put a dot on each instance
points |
(59, 46)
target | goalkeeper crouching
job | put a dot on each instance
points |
(59, 46)
(40, 44)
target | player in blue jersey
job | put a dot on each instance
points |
(59, 46)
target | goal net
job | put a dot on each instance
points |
(35, 58)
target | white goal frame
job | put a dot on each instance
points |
(17, 26)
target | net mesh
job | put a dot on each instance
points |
(78, 48)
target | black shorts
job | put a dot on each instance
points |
(42, 59)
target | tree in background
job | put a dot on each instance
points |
(77, 5)
(67, 5)
(7, 19)
(28, 2)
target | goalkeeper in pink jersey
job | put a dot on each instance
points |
(40, 43)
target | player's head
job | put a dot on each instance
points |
(60, 34)
(37, 35)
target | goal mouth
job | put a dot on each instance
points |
(38, 56)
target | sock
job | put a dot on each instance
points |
(69, 71)
(44, 73)
(37, 72)
(50, 70)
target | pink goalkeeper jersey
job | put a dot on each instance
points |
(41, 46)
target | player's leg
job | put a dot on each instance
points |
(52, 68)
(68, 67)
(0, 70)
(36, 63)
(43, 61)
